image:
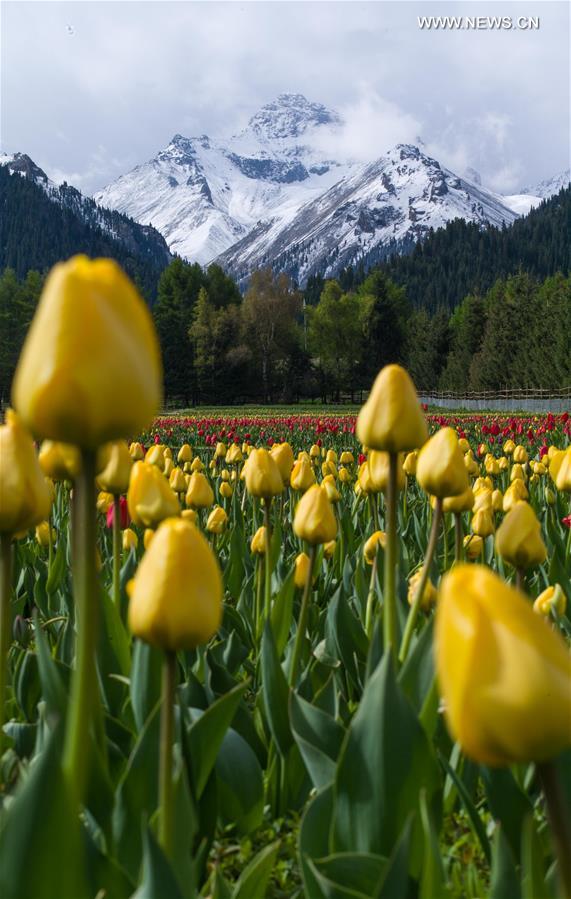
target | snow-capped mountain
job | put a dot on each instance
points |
(204, 195)
(273, 195)
(379, 208)
(141, 240)
(530, 197)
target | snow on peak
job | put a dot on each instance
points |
(550, 186)
(290, 116)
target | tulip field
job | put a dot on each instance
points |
(261, 653)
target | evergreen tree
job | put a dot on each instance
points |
(385, 321)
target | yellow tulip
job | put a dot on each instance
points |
(104, 502)
(346, 458)
(483, 500)
(392, 419)
(199, 494)
(147, 537)
(226, 490)
(90, 369)
(220, 451)
(315, 452)
(190, 515)
(258, 542)
(136, 452)
(551, 598)
(184, 454)
(177, 481)
(149, 497)
(409, 464)
(114, 478)
(43, 534)
(497, 500)
(302, 476)
(473, 546)
(155, 455)
(509, 447)
(262, 475)
(464, 502)
(330, 486)
(563, 479)
(463, 445)
(517, 472)
(504, 674)
(217, 520)
(344, 475)
(25, 498)
(59, 461)
(301, 573)
(520, 455)
(129, 539)
(196, 465)
(429, 594)
(329, 549)
(555, 464)
(440, 468)
(516, 493)
(314, 519)
(176, 596)
(518, 540)
(378, 464)
(378, 538)
(483, 522)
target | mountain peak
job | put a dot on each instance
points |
(22, 164)
(290, 115)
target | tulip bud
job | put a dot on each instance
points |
(483, 522)
(549, 496)
(482, 484)
(333, 494)
(516, 493)
(503, 463)
(220, 451)
(344, 475)
(551, 598)
(563, 479)
(392, 419)
(59, 461)
(440, 469)
(509, 447)
(504, 675)
(136, 452)
(517, 472)
(104, 502)
(302, 566)
(199, 494)
(177, 481)
(329, 549)
(130, 540)
(473, 546)
(90, 369)
(314, 519)
(518, 540)
(470, 464)
(149, 497)
(429, 594)
(464, 502)
(378, 538)
(43, 533)
(262, 475)
(497, 500)
(378, 463)
(155, 455)
(226, 490)
(25, 498)
(190, 515)
(196, 465)
(347, 458)
(114, 478)
(176, 596)
(184, 454)
(258, 542)
(555, 464)
(463, 445)
(483, 500)
(314, 452)
(520, 455)
(409, 464)
(302, 476)
(217, 520)
(147, 537)
(364, 479)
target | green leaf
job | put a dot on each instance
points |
(313, 839)
(240, 783)
(319, 738)
(508, 804)
(432, 882)
(397, 884)
(469, 807)
(53, 689)
(350, 874)
(159, 881)
(206, 733)
(532, 869)
(282, 613)
(253, 881)
(145, 684)
(116, 633)
(504, 878)
(57, 569)
(40, 843)
(275, 692)
(415, 676)
(385, 762)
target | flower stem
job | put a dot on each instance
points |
(116, 551)
(5, 620)
(258, 606)
(302, 623)
(458, 537)
(267, 561)
(559, 820)
(165, 756)
(389, 591)
(430, 550)
(371, 596)
(84, 683)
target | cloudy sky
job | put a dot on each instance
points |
(90, 89)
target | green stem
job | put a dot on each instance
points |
(520, 579)
(5, 620)
(371, 596)
(166, 820)
(559, 820)
(389, 591)
(302, 623)
(267, 561)
(458, 537)
(258, 607)
(84, 682)
(430, 550)
(116, 551)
